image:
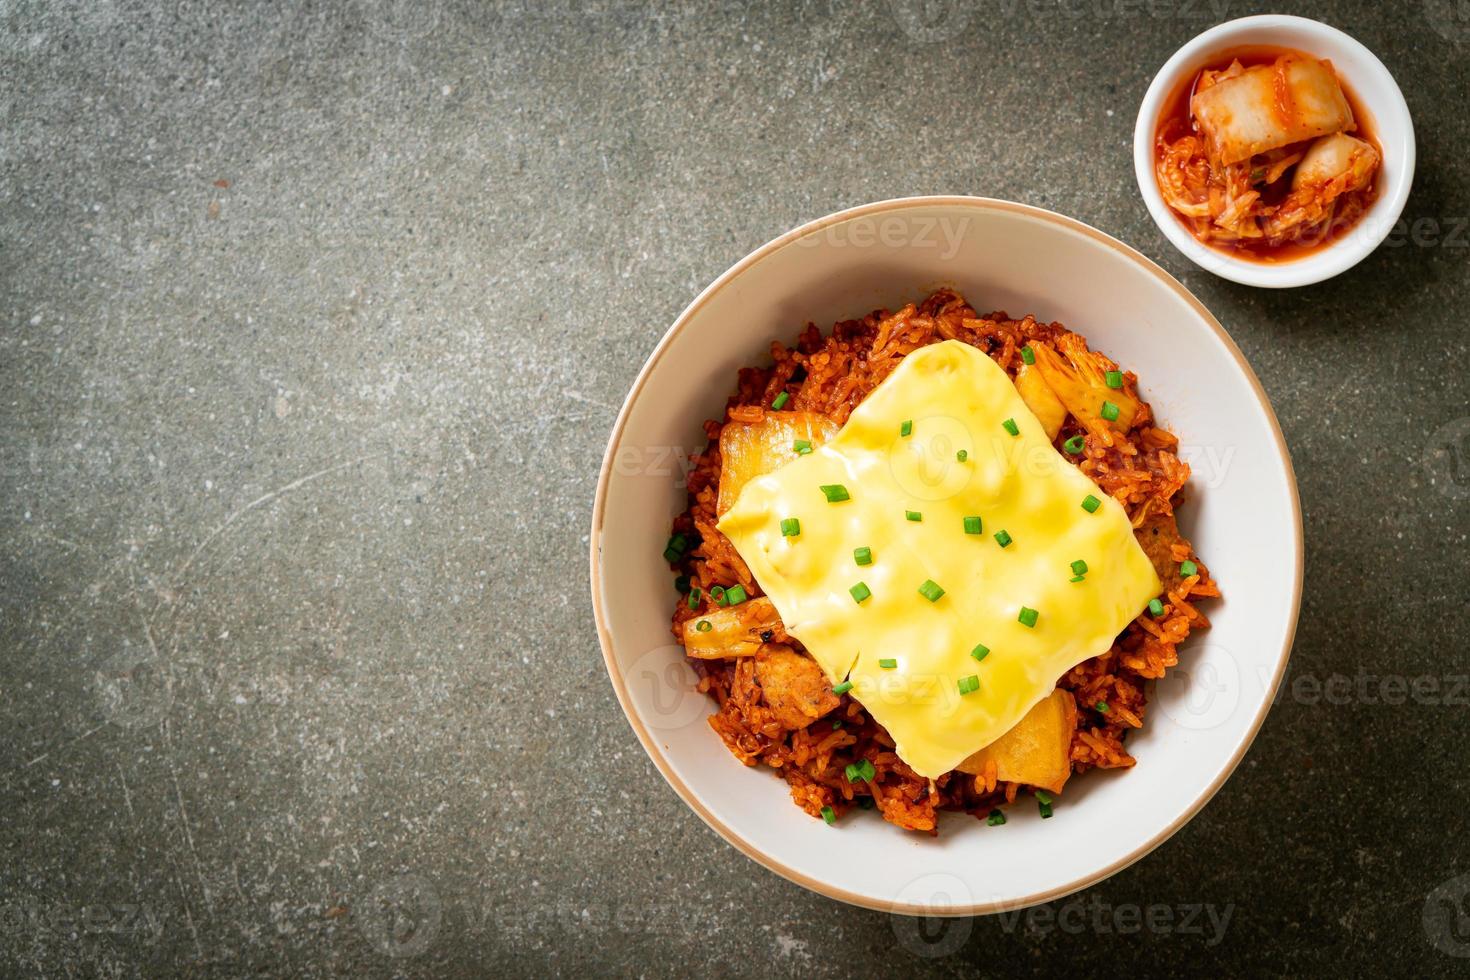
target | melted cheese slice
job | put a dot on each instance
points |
(957, 399)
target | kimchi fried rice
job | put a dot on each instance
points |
(831, 375)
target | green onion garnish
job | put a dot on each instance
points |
(1042, 796)
(968, 685)
(836, 723)
(1028, 617)
(801, 447)
(703, 626)
(1010, 426)
(1110, 411)
(865, 770)
(1102, 707)
(1091, 504)
(834, 492)
(913, 515)
(1028, 355)
(1076, 578)
(829, 815)
(735, 595)
(980, 652)
(1044, 809)
(790, 527)
(717, 595)
(851, 772)
(1074, 445)
(972, 525)
(674, 550)
(995, 819)
(1079, 567)
(1003, 538)
(860, 592)
(1187, 568)
(842, 688)
(930, 590)
(694, 598)
(887, 663)
(962, 455)
(906, 427)
(1156, 607)
(1114, 379)
(780, 401)
(863, 556)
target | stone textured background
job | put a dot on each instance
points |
(314, 318)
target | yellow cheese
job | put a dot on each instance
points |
(957, 399)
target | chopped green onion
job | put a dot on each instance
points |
(790, 527)
(972, 525)
(1187, 568)
(842, 688)
(1109, 411)
(906, 427)
(865, 770)
(1042, 796)
(704, 626)
(829, 815)
(834, 492)
(1114, 379)
(801, 447)
(995, 819)
(860, 592)
(930, 590)
(1079, 567)
(1156, 607)
(674, 550)
(694, 599)
(1074, 445)
(1010, 426)
(962, 455)
(681, 584)
(913, 515)
(980, 652)
(1091, 504)
(887, 663)
(1102, 707)
(1044, 809)
(1003, 538)
(717, 595)
(863, 556)
(968, 685)
(1077, 578)
(780, 401)
(1028, 355)
(851, 772)
(1028, 617)
(735, 595)
(836, 723)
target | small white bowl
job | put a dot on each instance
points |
(1376, 92)
(1242, 515)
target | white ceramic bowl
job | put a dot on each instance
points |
(1376, 92)
(1243, 517)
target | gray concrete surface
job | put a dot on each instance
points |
(315, 318)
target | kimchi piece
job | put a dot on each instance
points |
(1260, 156)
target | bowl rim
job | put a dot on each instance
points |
(1325, 263)
(649, 743)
